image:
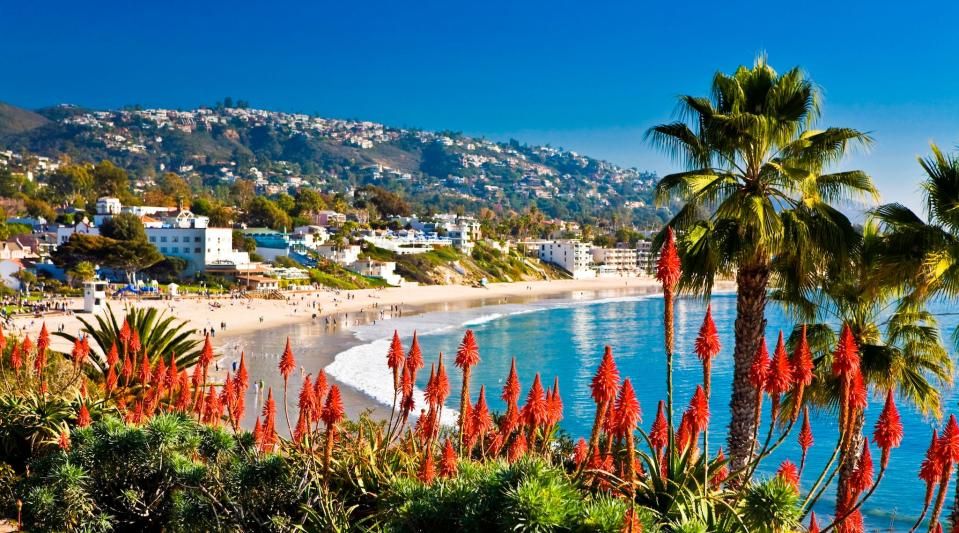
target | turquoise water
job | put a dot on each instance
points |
(567, 341)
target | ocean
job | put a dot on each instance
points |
(565, 339)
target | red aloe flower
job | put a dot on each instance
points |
(535, 411)
(606, 381)
(858, 395)
(707, 343)
(949, 443)
(125, 332)
(627, 410)
(16, 361)
(306, 400)
(448, 461)
(759, 370)
(684, 435)
(26, 346)
(430, 392)
(111, 379)
(789, 473)
(668, 268)
(846, 357)
(258, 433)
(395, 357)
(482, 421)
(83, 417)
(805, 438)
(333, 409)
(496, 444)
(144, 370)
(113, 357)
(427, 469)
(720, 474)
(300, 431)
(517, 448)
(699, 410)
(442, 382)
(414, 359)
(184, 397)
(269, 421)
(511, 389)
(64, 442)
(43, 340)
(171, 373)
(579, 452)
(319, 387)
(206, 356)
(862, 476)
(242, 377)
(287, 362)
(77, 353)
(406, 387)
(3, 340)
(802, 361)
(931, 468)
(813, 526)
(159, 373)
(126, 368)
(468, 353)
(214, 409)
(135, 345)
(659, 433)
(888, 432)
(780, 378)
(555, 404)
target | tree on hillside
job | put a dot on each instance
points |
(70, 183)
(309, 201)
(264, 212)
(129, 256)
(755, 188)
(123, 227)
(110, 180)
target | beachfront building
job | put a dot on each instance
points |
(84, 227)
(384, 270)
(645, 256)
(343, 255)
(405, 241)
(462, 231)
(571, 255)
(615, 261)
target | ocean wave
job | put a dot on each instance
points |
(364, 368)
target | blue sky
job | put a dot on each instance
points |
(588, 76)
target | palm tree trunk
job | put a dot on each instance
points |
(751, 281)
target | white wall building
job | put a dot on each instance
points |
(378, 269)
(615, 260)
(572, 256)
(199, 246)
(343, 255)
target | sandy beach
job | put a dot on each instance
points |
(243, 316)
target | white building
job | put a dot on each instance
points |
(199, 246)
(645, 256)
(572, 256)
(84, 227)
(343, 255)
(615, 260)
(377, 269)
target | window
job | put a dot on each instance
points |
(163, 249)
(197, 250)
(176, 239)
(163, 238)
(196, 239)
(176, 249)
(153, 239)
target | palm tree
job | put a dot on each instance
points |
(925, 255)
(900, 346)
(754, 188)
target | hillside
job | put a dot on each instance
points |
(282, 151)
(15, 120)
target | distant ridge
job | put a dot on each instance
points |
(14, 120)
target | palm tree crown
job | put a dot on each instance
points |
(754, 189)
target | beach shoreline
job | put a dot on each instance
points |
(321, 323)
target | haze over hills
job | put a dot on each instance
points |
(439, 170)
